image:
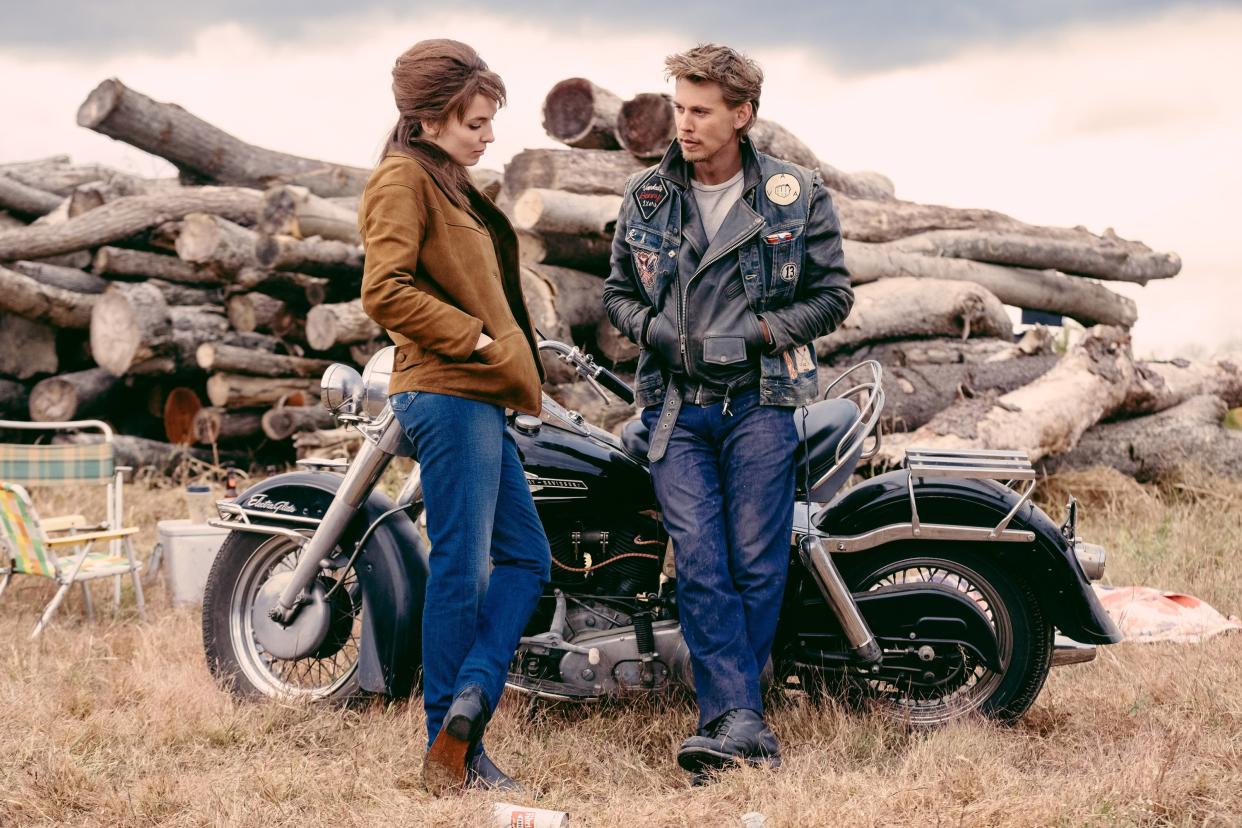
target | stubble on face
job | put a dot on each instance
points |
(706, 124)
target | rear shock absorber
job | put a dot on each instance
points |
(644, 635)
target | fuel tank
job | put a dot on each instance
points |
(579, 470)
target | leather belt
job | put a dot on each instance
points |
(664, 425)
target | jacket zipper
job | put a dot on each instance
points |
(683, 293)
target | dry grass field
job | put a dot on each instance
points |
(118, 723)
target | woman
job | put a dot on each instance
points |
(442, 277)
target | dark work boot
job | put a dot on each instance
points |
(483, 773)
(444, 768)
(738, 735)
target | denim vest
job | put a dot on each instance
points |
(769, 257)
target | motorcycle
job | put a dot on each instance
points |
(935, 590)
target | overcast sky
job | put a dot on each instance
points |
(1106, 114)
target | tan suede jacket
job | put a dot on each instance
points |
(434, 278)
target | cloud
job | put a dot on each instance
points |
(851, 35)
(1084, 127)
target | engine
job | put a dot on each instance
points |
(619, 559)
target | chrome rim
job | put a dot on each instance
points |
(975, 683)
(312, 676)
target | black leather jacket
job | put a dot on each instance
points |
(694, 308)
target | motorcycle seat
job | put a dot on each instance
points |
(827, 423)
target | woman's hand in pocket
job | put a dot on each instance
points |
(484, 341)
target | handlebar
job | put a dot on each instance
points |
(586, 366)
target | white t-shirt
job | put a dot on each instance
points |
(715, 201)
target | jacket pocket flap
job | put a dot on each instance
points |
(722, 350)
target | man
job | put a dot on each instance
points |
(726, 265)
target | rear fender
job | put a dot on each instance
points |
(1048, 564)
(392, 570)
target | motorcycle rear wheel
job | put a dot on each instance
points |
(237, 659)
(1024, 634)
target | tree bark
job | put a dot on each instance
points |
(1044, 417)
(133, 325)
(71, 279)
(125, 217)
(179, 294)
(72, 396)
(339, 323)
(26, 200)
(1162, 445)
(1162, 385)
(227, 390)
(909, 308)
(180, 407)
(646, 126)
(614, 345)
(296, 211)
(360, 353)
(589, 254)
(1104, 258)
(886, 221)
(332, 442)
(207, 239)
(282, 423)
(320, 257)
(39, 302)
(297, 289)
(1081, 299)
(14, 399)
(581, 397)
(217, 357)
(122, 262)
(578, 297)
(203, 151)
(922, 378)
(220, 425)
(259, 312)
(554, 211)
(95, 194)
(579, 113)
(27, 348)
(574, 171)
(163, 458)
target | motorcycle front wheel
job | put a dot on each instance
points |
(235, 656)
(1023, 633)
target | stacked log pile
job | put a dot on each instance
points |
(201, 310)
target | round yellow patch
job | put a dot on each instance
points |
(782, 189)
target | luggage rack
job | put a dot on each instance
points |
(976, 464)
(1008, 467)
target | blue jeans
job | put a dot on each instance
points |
(480, 516)
(726, 488)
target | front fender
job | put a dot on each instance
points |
(392, 570)
(1049, 565)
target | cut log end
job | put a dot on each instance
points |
(180, 407)
(645, 126)
(100, 103)
(115, 333)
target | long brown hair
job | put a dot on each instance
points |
(433, 81)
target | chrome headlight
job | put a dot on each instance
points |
(341, 389)
(1091, 557)
(375, 382)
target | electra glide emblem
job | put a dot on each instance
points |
(265, 504)
(538, 484)
(650, 196)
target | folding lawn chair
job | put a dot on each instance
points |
(63, 548)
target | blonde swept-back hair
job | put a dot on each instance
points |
(433, 81)
(740, 78)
